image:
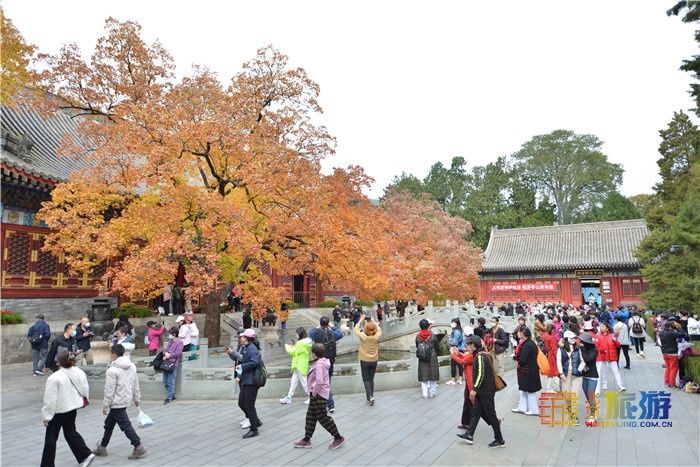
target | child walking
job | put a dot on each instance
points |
(300, 364)
(319, 391)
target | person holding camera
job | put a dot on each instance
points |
(83, 334)
(247, 362)
(368, 353)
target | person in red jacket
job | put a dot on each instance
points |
(465, 360)
(551, 346)
(607, 344)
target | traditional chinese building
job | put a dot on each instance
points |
(564, 263)
(34, 281)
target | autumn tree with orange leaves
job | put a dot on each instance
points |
(223, 180)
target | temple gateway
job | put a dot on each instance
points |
(565, 263)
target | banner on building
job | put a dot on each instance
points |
(549, 287)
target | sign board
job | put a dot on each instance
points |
(548, 287)
(588, 272)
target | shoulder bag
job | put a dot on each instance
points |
(86, 401)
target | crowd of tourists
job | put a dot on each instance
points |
(67, 387)
(560, 349)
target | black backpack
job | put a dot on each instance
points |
(424, 350)
(637, 327)
(329, 343)
(35, 338)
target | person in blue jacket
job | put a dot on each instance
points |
(457, 340)
(38, 336)
(248, 358)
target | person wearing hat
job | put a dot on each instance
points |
(185, 332)
(172, 352)
(568, 368)
(426, 351)
(248, 360)
(483, 394)
(589, 374)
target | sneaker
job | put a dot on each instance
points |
(450, 382)
(286, 400)
(88, 460)
(303, 444)
(517, 410)
(497, 444)
(622, 389)
(307, 401)
(166, 402)
(331, 410)
(371, 401)
(244, 421)
(460, 381)
(641, 354)
(100, 450)
(337, 443)
(245, 425)
(532, 413)
(39, 373)
(466, 437)
(138, 453)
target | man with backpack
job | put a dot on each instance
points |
(327, 335)
(38, 336)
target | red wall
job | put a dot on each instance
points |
(623, 289)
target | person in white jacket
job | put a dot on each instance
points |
(194, 330)
(185, 332)
(63, 395)
(121, 388)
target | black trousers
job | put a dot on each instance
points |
(331, 402)
(65, 421)
(467, 411)
(455, 367)
(121, 418)
(638, 344)
(246, 401)
(485, 406)
(317, 413)
(166, 307)
(626, 350)
(368, 370)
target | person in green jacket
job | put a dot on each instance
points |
(300, 364)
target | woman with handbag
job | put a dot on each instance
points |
(171, 357)
(66, 392)
(528, 373)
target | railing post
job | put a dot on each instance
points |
(204, 351)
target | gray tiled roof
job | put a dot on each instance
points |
(565, 247)
(46, 135)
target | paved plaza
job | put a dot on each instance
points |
(401, 429)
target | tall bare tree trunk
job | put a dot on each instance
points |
(212, 324)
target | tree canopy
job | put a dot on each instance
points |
(569, 168)
(226, 181)
(15, 59)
